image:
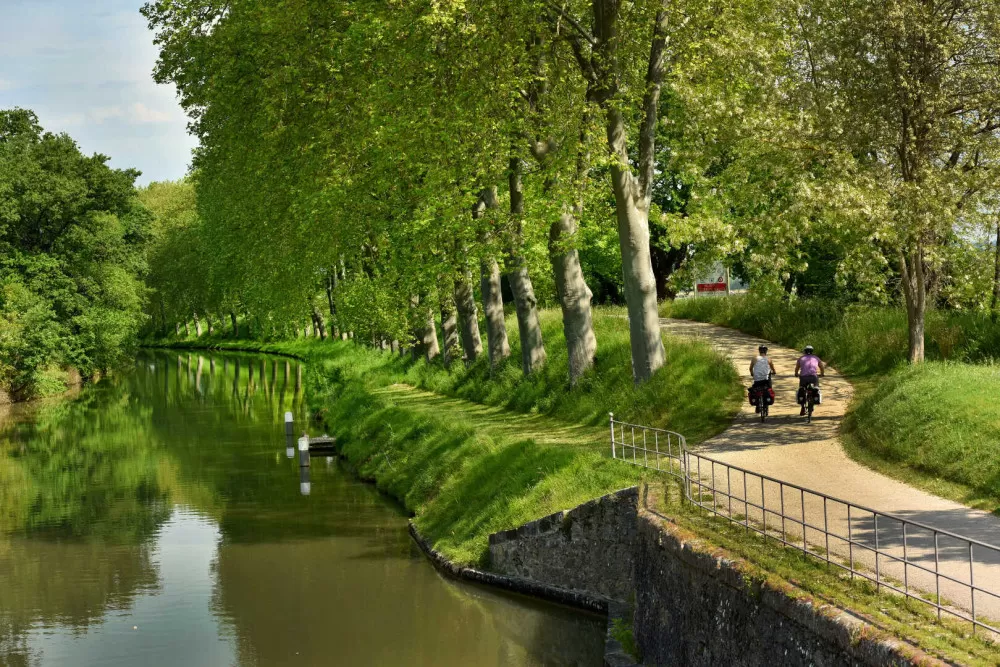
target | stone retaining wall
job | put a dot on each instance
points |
(694, 606)
(588, 548)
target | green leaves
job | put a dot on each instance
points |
(72, 238)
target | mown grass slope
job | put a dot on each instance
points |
(940, 419)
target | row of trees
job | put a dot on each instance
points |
(73, 239)
(362, 162)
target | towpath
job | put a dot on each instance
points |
(811, 456)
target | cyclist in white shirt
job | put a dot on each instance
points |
(761, 369)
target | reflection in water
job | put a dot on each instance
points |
(156, 520)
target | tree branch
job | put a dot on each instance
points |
(651, 102)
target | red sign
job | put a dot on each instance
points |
(711, 287)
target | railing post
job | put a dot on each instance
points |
(612, 417)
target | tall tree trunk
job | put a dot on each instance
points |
(530, 329)
(465, 303)
(911, 268)
(320, 325)
(197, 326)
(187, 330)
(489, 285)
(996, 277)
(235, 323)
(163, 317)
(177, 329)
(633, 193)
(571, 286)
(449, 330)
(574, 296)
(331, 285)
(424, 331)
(640, 286)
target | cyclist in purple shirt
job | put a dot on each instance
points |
(808, 369)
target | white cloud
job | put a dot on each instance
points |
(6, 84)
(101, 114)
(60, 123)
(143, 114)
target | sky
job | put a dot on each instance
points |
(85, 67)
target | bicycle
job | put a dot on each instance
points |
(812, 399)
(760, 397)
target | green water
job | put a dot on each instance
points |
(156, 519)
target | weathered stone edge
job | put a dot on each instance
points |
(554, 522)
(578, 599)
(852, 633)
(614, 653)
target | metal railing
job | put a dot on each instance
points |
(956, 575)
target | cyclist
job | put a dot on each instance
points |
(761, 368)
(808, 369)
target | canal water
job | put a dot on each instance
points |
(155, 519)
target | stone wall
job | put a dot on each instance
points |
(589, 548)
(693, 606)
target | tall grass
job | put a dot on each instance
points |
(860, 340)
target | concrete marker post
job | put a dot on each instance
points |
(289, 435)
(304, 451)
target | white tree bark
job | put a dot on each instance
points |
(197, 326)
(633, 193)
(465, 303)
(489, 284)
(452, 349)
(529, 328)
(424, 331)
(574, 296)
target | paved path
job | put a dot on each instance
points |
(810, 455)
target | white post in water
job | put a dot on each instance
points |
(305, 486)
(304, 450)
(612, 416)
(289, 435)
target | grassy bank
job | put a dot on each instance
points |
(470, 453)
(936, 425)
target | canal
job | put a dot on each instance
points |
(155, 519)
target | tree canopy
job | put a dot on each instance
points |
(72, 259)
(361, 163)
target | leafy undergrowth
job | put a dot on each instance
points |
(470, 453)
(813, 580)
(935, 426)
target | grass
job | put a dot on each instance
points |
(470, 453)
(813, 581)
(939, 422)
(935, 426)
